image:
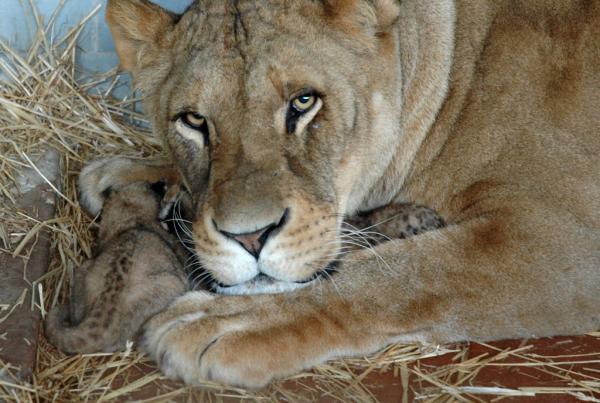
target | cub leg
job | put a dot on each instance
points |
(78, 300)
(395, 221)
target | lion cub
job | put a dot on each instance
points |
(136, 273)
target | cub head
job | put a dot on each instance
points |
(280, 115)
(126, 207)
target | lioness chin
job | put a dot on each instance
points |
(283, 116)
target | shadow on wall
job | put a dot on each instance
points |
(97, 55)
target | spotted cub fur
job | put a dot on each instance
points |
(395, 221)
(136, 273)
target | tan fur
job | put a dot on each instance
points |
(135, 274)
(486, 111)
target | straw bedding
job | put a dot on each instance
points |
(43, 106)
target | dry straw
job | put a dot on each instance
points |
(43, 106)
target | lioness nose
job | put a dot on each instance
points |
(254, 242)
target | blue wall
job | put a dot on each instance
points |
(97, 51)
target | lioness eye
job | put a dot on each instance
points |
(302, 110)
(193, 120)
(192, 126)
(304, 102)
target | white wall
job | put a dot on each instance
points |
(97, 51)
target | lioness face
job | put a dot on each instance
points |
(264, 106)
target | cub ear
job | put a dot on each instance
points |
(377, 14)
(137, 26)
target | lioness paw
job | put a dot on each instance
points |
(242, 359)
(238, 341)
(197, 348)
(97, 177)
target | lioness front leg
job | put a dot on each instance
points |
(472, 281)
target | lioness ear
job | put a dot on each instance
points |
(373, 14)
(137, 26)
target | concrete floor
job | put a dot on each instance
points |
(19, 323)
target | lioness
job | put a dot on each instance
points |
(309, 110)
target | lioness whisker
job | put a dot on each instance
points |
(373, 235)
(201, 276)
(364, 235)
(174, 219)
(371, 249)
(368, 234)
(205, 277)
(187, 239)
(330, 278)
(195, 268)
